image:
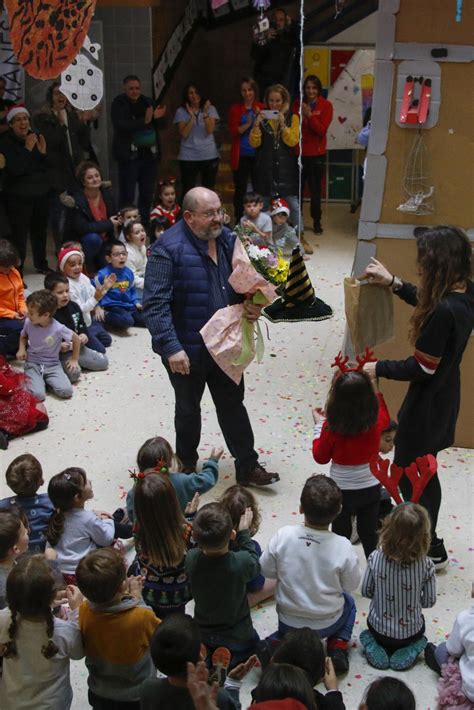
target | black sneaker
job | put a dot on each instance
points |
(317, 228)
(258, 476)
(437, 553)
(340, 660)
(430, 658)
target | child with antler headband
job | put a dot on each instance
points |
(347, 434)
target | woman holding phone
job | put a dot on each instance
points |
(275, 134)
(26, 186)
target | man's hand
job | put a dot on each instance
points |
(159, 111)
(179, 363)
(148, 114)
(246, 520)
(252, 311)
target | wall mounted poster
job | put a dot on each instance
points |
(350, 96)
(316, 61)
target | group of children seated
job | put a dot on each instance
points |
(267, 229)
(69, 590)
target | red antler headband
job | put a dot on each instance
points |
(341, 362)
(172, 180)
(419, 473)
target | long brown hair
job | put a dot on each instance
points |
(406, 533)
(30, 592)
(352, 406)
(159, 520)
(444, 261)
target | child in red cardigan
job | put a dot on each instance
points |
(348, 437)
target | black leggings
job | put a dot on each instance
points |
(392, 644)
(364, 503)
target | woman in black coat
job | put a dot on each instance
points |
(95, 220)
(441, 325)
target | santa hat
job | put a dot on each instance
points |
(65, 254)
(15, 110)
(298, 301)
(285, 704)
(279, 205)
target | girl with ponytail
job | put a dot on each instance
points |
(32, 638)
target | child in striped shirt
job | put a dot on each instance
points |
(400, 581)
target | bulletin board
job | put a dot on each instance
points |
(449, 146)
(434, 22)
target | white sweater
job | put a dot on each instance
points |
(461, 645)
(312, 568)
(30, 680)
(137, 263)
(82, 292)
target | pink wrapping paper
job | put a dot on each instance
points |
(222, 334)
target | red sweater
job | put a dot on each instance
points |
(314, 128)
(351, 450)
(235, 115)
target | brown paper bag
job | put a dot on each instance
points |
(369, 313)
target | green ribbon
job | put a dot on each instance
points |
(248, 329)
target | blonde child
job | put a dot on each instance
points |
(237, 500)
(87, 296)
(400, 581)
(37, 646)
(162, 538)
(74, 531)
(157, 455)
(12, 299)
(135, 243)
(166, 205)
(44, 336)
(13, 543)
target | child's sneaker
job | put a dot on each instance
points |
(405, 658)
(430, 658)
(376, 655)
(220, 663)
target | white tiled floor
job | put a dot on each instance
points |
(112, 413)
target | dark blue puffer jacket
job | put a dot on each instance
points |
(190, 307)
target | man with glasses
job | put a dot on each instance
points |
(186, 282)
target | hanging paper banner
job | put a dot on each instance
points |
(46, 36)
(10, 67)
(82, 82)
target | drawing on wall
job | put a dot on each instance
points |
(351, 96)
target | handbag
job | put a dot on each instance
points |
(369, 313)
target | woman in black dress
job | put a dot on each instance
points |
(441, 324)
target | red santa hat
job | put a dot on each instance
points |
(15, 110)
(65, 254)
(279, 205)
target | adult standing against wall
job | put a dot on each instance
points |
(136, 144)
(26, 186)
(441, 325)
(242, 116)
(317, 115)
(274, 55)
(186, 282)
(198, 155)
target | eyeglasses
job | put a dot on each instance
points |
(210, 214)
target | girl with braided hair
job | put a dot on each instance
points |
(36, 646)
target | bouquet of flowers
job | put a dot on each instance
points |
(265, 259)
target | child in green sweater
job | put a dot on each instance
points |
(218, 579)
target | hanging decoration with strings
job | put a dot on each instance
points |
(83, 82)
(261, 5)
(417, 181)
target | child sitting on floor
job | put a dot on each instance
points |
(44, 336)
(257, 224)
(400, 581)
(219, 579)
(24, 476)
(87, 296)
(13, 543)
(121, 305)
(237, 499)
(158, 225)
(37, 646)
(157, 455)
(315, 570)
(128, 213)
(12, 299)
(116, 629)
(167, 205)
(175, 643)
(135, 242)
(284, 236)
(388, 693)
(162, 537)
(74, 531)
(20, 411)
(70, 315)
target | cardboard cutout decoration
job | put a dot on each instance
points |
(46, 36)
(82, 82)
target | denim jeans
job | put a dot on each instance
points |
(340, 629)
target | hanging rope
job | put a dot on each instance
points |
(300, 156)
